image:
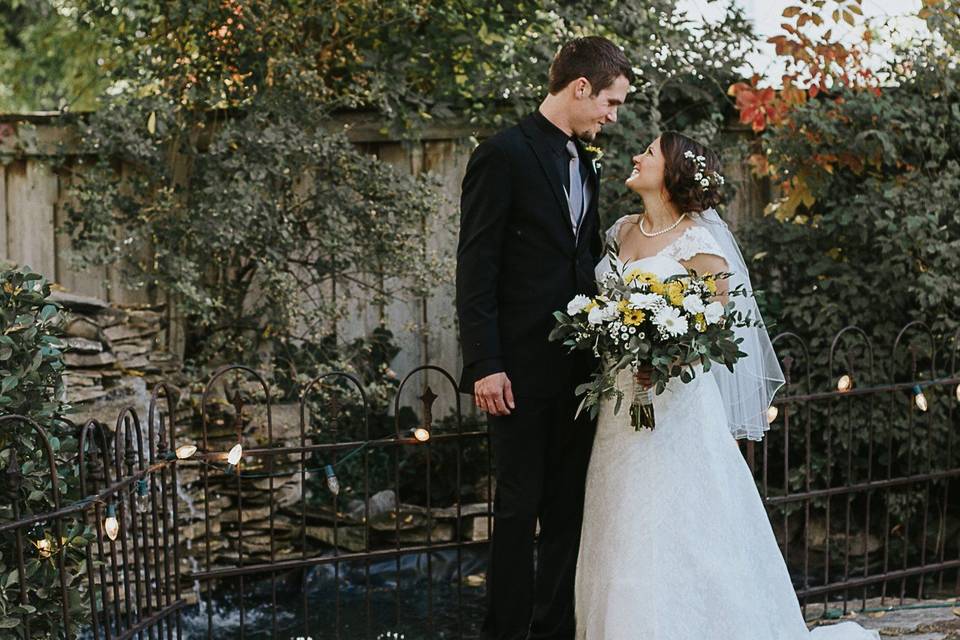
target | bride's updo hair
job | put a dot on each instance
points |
(684, 160)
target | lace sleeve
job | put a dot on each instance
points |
(695, 241)
(613, 233)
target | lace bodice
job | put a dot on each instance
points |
(693, 240)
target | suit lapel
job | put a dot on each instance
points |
(542, 153)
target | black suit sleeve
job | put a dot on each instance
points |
(484, 205)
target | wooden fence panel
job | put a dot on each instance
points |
(90, 281)
(3, 212)
(31, 196)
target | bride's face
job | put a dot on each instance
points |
(647, 172)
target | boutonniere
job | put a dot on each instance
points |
(595, 154)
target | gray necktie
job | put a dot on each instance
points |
(575, 194)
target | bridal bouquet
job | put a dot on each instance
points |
(638, 320)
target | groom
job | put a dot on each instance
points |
(529, 240)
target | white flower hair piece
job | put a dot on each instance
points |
(702, 176)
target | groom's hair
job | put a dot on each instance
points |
(594, 58)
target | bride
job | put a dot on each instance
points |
(676, 544)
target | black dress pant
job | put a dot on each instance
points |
(541, 456)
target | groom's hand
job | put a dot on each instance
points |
(494, 394)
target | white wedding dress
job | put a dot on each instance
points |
(676, 544)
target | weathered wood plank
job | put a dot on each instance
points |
(447, 160)
(119, 290)
(86, 282)
(3, 212)
(31, 194)
(402, 313)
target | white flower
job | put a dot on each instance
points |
(595, 316)
(701, 159)
(610, 311)
(670, 322)
(698, 176)
(577, 305)
(713, 313)
(650, 301)
(688, 154)
(693, 304)
(705, 182)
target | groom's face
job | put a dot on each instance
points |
(592, 112)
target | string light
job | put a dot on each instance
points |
(332, 482)
(845, 383)
(233, 458)
(919, 398)
(772, 414)
(958, 393)
(110, 525)
(143, 505)
(421, 434)
(185, 451)
(44, 548)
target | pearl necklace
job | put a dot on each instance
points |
(662, 231)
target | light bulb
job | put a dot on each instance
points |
(111, 526)
(185, 451)
(44, 548)
(772, 414)
(142, 502)
(332, 482)
(919, 398)
(845, 383)
(421, 434)
(958, 393)
(235, 454)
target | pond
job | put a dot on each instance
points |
(311, 606)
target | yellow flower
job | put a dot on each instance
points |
(633, 317)
(590, 305)
(675, 293)
(658, 288)
(710, 283)
(700, 322)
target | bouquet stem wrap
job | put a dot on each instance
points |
(641, 407)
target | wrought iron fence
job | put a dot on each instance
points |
(328, 526)
(127, 523)
(858, 478)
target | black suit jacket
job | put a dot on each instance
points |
(518, 261)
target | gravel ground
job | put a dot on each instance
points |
(914, 620)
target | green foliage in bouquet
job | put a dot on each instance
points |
(640, 320)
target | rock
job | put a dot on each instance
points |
(75, 302)
(124, 332)
(78, 344)
(350, 538)
(82, 327)
(110, 317)
(131, 349)
(88, 359)
(73, 380)
(442, 532)
(479, 529)
(381, 503)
